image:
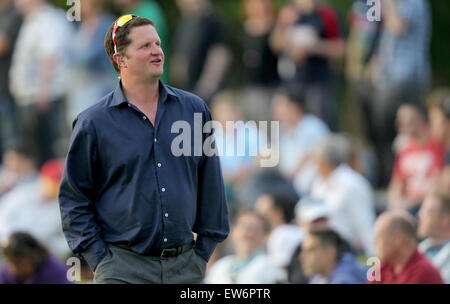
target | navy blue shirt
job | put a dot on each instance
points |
(122, 184)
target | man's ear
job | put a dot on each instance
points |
(119, 60)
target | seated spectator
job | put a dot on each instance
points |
(19, 175)
(309, 215)
(36, 210)
(419, 159)
(325, 261)
(401, 261)
(434, 227)
(346, 193)
(28, 262)
(299, 133)
(250, 264)
(278, 208)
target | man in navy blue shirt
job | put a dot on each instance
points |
(129, 204)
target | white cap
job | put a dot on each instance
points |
(308, 210)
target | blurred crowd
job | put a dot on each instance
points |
(334, 200)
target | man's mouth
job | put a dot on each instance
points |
(156, 61)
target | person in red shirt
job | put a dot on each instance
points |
(419, 160)
(401, 262)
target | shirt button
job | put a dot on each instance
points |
(159, 165)
(144, 118)
(156, 139)
(163, 189)
(129, 105)
(165, 240)
(166, 215)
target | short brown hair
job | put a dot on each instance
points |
(122, 40)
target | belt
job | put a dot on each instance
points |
(170, 252)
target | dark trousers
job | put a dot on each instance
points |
(8, 123)
(43, 128)
(123, 266)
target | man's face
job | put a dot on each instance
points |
(144, 55)
(437, 123)
(264, 206)
(314, 257)
(281, 108)
(383, 242)
(429, 218)
(20, 267)
(407, 120)
(248, 234)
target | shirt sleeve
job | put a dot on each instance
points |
(76, 196)
(212, 223)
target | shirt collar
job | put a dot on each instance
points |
(120, 98)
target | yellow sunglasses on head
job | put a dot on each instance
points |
(121, 21)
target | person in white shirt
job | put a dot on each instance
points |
(250, 264)
(38, 74)
(299, 134)
(434, 228)
(278, 208)
(347, 194)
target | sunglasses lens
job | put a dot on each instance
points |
(124, 19)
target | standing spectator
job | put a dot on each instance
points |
(346, 193)
(258, 62)
(300, 132)
(361, 47)
(10, 22)
(325, 260)
(38, 74)
(29, 262)
(307, 38)
(250, 264)
(128, 196)
(278, 208)
(401, 70)
(418, 162)
(150, 9)
(200, 56)
(401, 261)
(434, 227)
(91, 75)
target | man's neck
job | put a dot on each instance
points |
(442, 239)
(403, 258)
(141, 93)
(328, 270)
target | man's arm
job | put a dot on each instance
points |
(212, 223)
(76, 193)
